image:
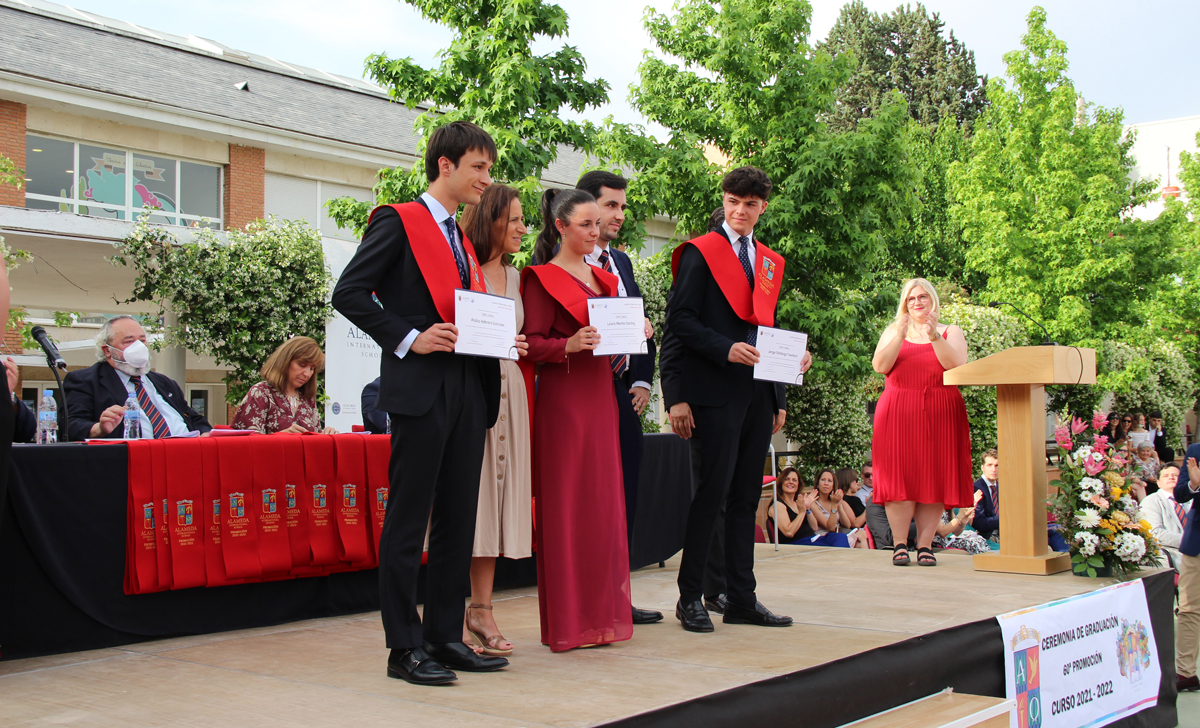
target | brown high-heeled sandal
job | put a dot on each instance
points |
(488, 645)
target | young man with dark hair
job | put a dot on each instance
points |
(632, 375)
(1154, 423)
(412, 258)
(726, 284)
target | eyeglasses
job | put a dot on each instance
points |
(1128, 420)
(866, 476)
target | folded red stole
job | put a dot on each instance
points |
(564, 287)
(319, 495)
(352, 512)
(434, 257)
(141, 567)
(162, 512)
(379, 455)
(270, 500)
(185, 522)
(755, 306)
(296, 504)
(214, 557)
(239, 525)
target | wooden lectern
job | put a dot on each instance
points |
(1020, 375)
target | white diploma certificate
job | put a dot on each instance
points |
(779, 355)
(621, 323)
(487, 325)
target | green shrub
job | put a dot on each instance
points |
(1144, 379)
(827, 422)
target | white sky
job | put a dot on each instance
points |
(1140, 55)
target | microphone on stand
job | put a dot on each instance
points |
(40, 336)
(1046, 341)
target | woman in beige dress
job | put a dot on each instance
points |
(504, 523)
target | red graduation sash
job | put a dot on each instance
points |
(351, 511)
(214, 557)
(270, 493)
(296, 505)
(141, 565)
(185, 521)
(239, 525)
(434, 257)
(564, 288)
(379, 453)
(757, 306)
(319, 496)
(158, 481)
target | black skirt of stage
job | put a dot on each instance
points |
(63, 541)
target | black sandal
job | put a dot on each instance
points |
(900, 555)
(925, 557)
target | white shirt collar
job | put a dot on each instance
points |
(733, 235)
(435, 208)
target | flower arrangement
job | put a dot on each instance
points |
(1094, 507)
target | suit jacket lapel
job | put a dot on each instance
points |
(112, 382)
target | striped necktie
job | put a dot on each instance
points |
(1179, 510)
(157, 421)
(459, 257)
(618, 362)
(996, 496)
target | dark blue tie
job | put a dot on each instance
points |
(459, 258)
(744, 257)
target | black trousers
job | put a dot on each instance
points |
(730, 443)
(434, 473)
(630, 432)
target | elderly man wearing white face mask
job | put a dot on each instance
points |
(96, 395)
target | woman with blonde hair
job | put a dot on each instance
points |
(921, 443)
(286, 399)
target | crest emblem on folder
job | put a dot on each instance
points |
(381, 495)
(318, 496)
(290, 493)
(237, 505)
(183, 512)
(269, 501)
(349, 495)
(148, 515)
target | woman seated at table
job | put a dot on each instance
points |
(286, 399)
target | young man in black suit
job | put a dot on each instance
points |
(632, 375)
(987, 505)
(412, 258)
(726, 284)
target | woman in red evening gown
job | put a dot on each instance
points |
(583, 558)
(922, 444)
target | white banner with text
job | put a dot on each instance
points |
(1081, 662)
(351, 356)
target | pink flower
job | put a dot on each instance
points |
(1062, 438)
(1098, 500)
(1093, 465)
(1078, 426)
(1101, 442)
(1099, 421)
(1119, 460)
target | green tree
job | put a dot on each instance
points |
(1041, 201)
(236, 301)
(491, 76)
(904, 51)
(751, 87)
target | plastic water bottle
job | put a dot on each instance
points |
(47, 429)
(133, 419)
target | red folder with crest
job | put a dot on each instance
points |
(319, 495)
(141, 567)
(270, 504)
(185, 518)
(239, 522)
(352, 511)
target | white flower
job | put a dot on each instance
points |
(1087, 542)
(1088, 518)
(1129, 547)
(1126, 503)
(1083, 452)
(1092, 485)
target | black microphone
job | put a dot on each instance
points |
(1046, 341)
(40, 336)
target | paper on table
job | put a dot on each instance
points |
(487, 325)
(779, 355)
(620, 321)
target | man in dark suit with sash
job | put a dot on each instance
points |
(632, 375)
(412, 258)
(726, 284)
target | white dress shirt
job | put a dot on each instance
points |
(177, 424)
(1158, 509)
(440, 215)
(733, 236)
(593, 258)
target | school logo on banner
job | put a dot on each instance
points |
(769, 268)
(147, 515)
(1027, 677)
(183, 512)
(381, 495)
(269, 501)
(216, 511)
(1133, 650)
(349, 495)
(290, 494)
(319, 496)
(237, 505)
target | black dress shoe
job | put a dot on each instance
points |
(417, 667)
(760, 615)
(1186, 684)
(646, 616)
(461, 657)
(716, 605)
(693, 617)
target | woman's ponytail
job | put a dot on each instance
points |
(547, 241)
